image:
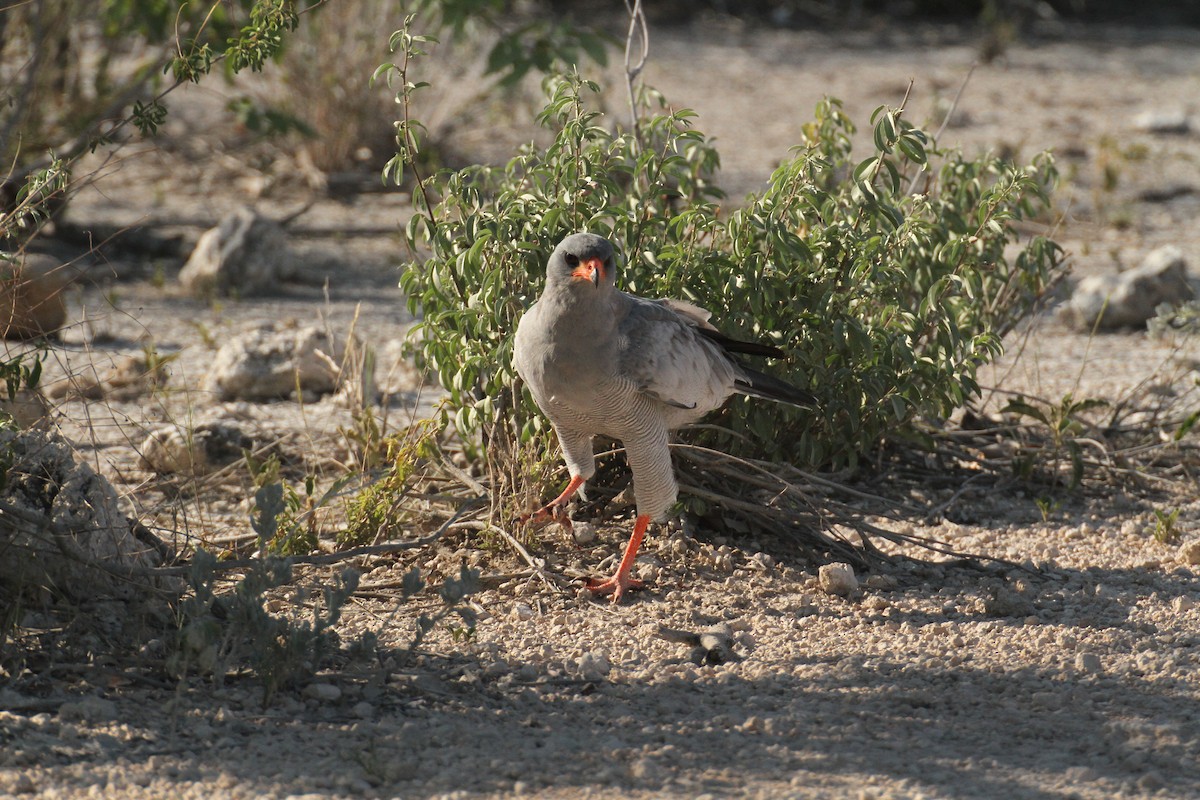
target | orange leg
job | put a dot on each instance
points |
(556, 508)
(621, 580)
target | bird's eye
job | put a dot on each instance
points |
(572, 260)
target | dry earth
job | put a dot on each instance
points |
(1077, 679)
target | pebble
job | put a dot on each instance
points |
(583, 533)
(881, 582)
(324, 692)
(646, 769)
(837, 579)
(594, 666)
(91, 708)
(1183, 603)
(1087, 662)
(1189, 552)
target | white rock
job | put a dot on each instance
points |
(646, 769)
(594, 666)
(60, 492)
(1174, 121)
(244, 254)
(272, 361)
(1189, 552)
(1087, 662)
(838, 579)
(1182, 603)
(1128, 299)
(583, 532)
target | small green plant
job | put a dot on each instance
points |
(367, 442)
(22, 371)
(1166, 526)
(156, 363)
(375, 512)
(1063, 427)
(283, 518)
(1181, 319)
(452, 592)
(1047, 507)
(1112, 160)
(216, 634)
(206, 335)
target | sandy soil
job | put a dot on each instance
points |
(1073, 675)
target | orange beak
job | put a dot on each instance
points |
(591, 269)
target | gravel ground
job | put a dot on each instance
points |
(1070, 672)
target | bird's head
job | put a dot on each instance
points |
(583, 258)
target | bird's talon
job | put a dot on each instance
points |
(547, 514)
(617, 585)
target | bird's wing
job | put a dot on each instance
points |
(689, 312)
(695, 315)
(663, 353)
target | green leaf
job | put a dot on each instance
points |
(1021, 407)
(1186, 426)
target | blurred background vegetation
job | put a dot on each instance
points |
(76, 73)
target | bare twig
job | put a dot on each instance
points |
(639, 33)
(538, 565)
(954, 103)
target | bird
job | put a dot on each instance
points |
(600, 361)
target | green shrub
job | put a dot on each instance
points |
(888, 280)
(375, 513)
(220, 633)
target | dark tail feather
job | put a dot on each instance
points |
(759, 384)
(736, 346)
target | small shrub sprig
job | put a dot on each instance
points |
(219, 633)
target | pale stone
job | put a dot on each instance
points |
(273, 361)
(838, 579)
(1131, 298)
(244, 254)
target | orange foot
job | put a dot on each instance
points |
(556, 509)
(617, 585)
(621, 581)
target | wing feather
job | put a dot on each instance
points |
(664, 354)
